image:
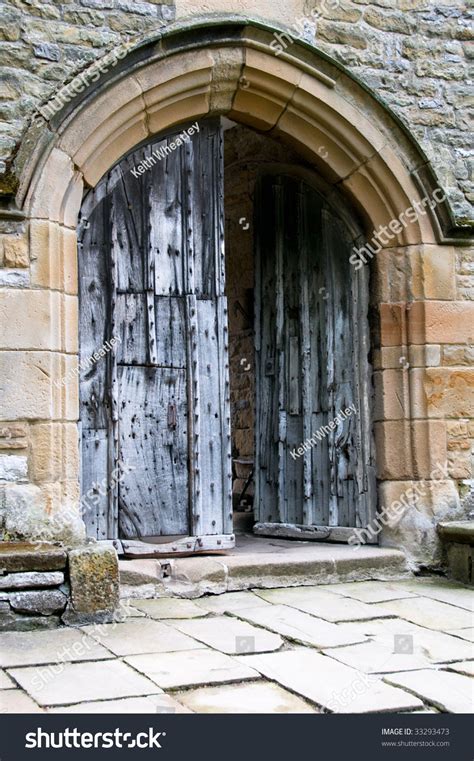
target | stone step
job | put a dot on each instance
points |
(260, 563)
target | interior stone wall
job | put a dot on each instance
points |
(246, 153)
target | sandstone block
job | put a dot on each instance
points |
(94, 578)
(15, 252)
(27, 556)
(409, 449)
(449, 392)
(30, 319)
(443, 322)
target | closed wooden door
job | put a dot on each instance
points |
(155, 409)
(315, 473)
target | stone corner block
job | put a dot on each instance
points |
(94, 579)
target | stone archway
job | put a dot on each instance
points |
(301, 96)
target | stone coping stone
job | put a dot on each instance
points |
(31, 556)
(457, 531)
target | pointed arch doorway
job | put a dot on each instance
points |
(152, 287)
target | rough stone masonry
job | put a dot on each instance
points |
(413, 55)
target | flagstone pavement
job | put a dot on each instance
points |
(360, 647)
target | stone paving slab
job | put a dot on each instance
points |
(169, 607)
(151, 704)
(465, 667)
(229, 635)
(467, 634)
(258, 697)
(442, 590)
(378, 657)
(323, 604)
(445, 690)
(55, 646)
(16, 701)
(368, 591)
(434, 645)
(429, 613)
(230, 601)
(330, 684)
(301, 627)
(140, 636)
(190, 668)
(5, 681)
(78, 682)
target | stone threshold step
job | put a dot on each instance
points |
(260, 563)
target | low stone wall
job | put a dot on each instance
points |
(43, 585)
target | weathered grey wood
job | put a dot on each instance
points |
(312, 320)
(95, 490)
(180, 546)
(211, 410)
(93, 317)
(169, 333)
(154, 501)
(304, 272)
(152, 273)
(307, 533)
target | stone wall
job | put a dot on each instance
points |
(413, 54)
(43, 586)
(422, 295)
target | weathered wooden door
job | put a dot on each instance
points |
(155, 409)
(312, 367)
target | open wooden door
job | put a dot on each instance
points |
(155, 408)
(314, 474)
